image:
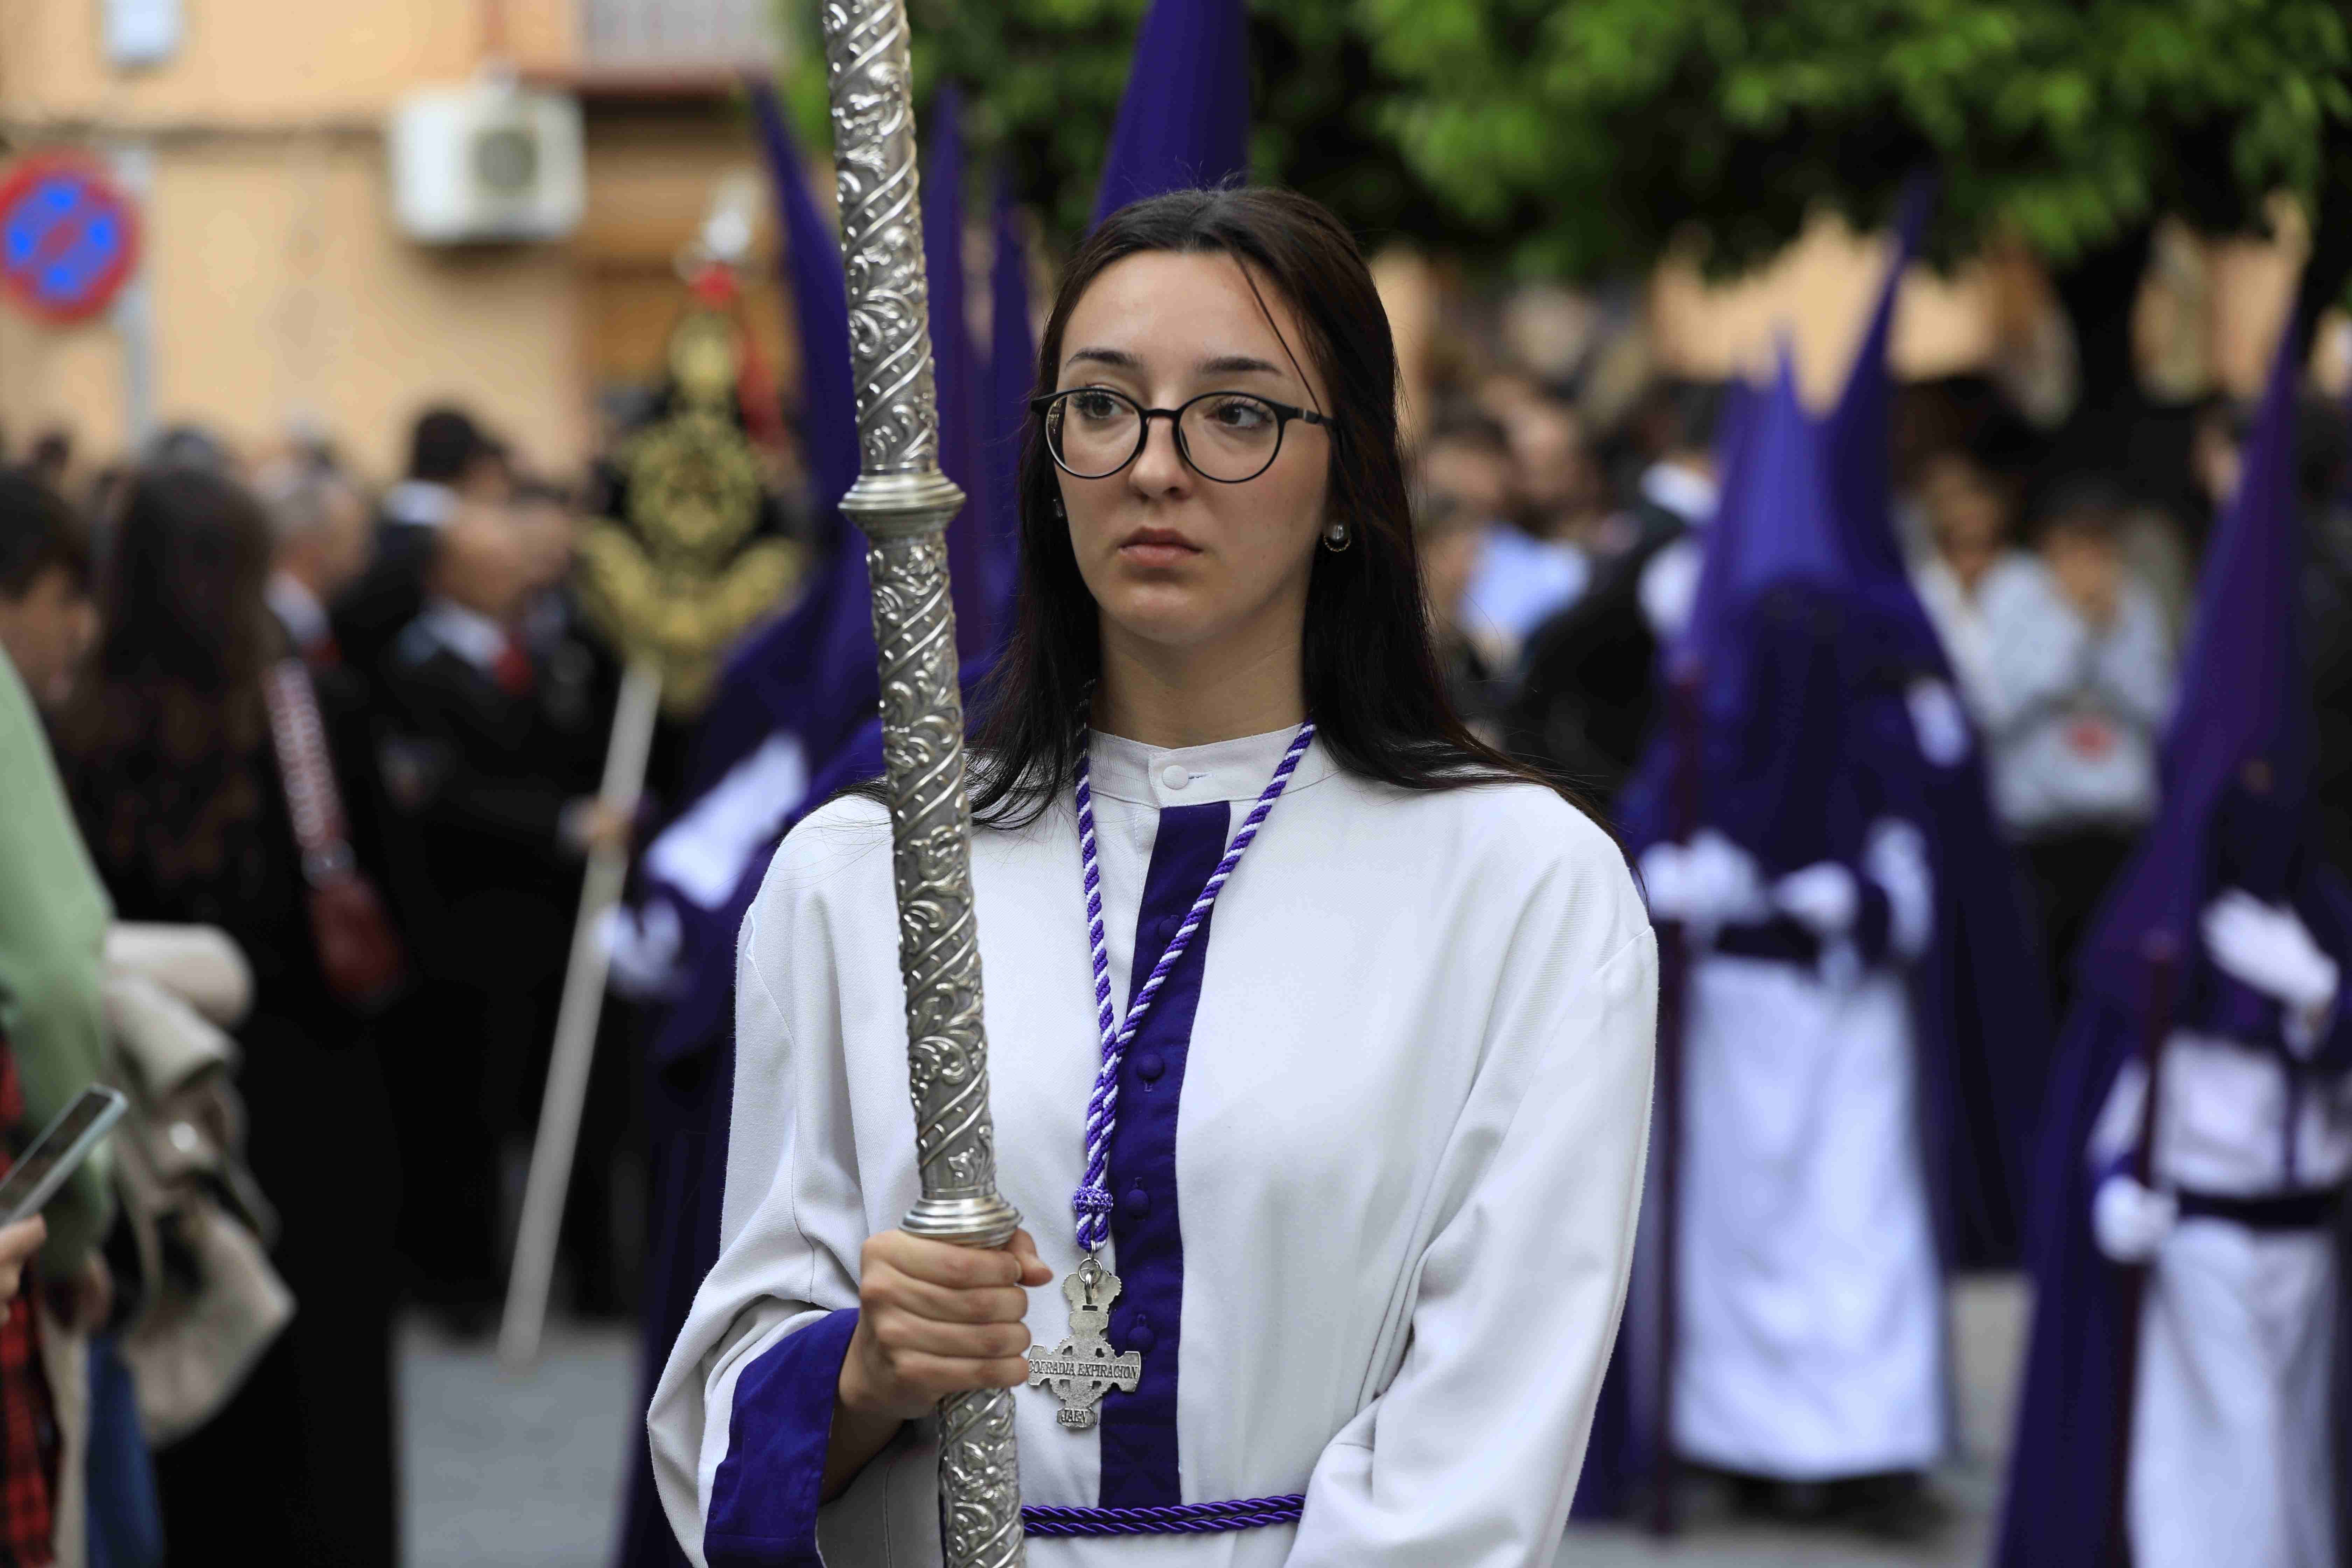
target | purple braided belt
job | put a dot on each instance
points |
(1175, 1518)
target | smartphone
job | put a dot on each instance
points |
(63, 1144)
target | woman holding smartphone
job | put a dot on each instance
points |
(1320, 1033)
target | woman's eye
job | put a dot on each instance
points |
(1096, 406)
(1240, 414)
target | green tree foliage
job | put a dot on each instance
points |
(1599, 129)
(1582, 138)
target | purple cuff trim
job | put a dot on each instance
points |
(764, 1501)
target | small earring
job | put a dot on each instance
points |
(1336, 537)
(1058, 513)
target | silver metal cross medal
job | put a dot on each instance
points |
(1082, 1367)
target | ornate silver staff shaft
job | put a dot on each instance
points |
(903, 503)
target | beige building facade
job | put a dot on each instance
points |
(277, 295)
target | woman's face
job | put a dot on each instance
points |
(1965, 508)
(1174, 560)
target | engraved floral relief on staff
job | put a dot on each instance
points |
(903, 503)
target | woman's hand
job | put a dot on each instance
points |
(935, 1319)
(18, 1242)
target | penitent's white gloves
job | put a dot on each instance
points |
(1821, 898)
(2128, 1221)
(2266, 946)
(1709, 882)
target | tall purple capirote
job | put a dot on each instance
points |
(956, 372)
(1184, 121)
(1772, 526)
(2245, 698)
(1092, 1203)
(828, 405)
(1860, 430)
(1005, 411)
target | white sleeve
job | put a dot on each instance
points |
(792, 1223)
(2134, 666)
(2036, 647)
(1470, 1456)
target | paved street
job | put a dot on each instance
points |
(512, 1469)
(505, 1469)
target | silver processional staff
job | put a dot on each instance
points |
(903, 502)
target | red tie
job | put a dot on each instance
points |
(513, 670)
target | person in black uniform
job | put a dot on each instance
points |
(166, 752)
(488, 755)
(1587, 696)
(450, 458)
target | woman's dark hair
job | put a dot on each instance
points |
(40, 533)
(160, 740)
(1371, 681)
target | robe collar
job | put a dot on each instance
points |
(1196, 776)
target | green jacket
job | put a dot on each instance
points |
(54, 915)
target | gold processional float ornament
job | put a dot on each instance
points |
(673, 585)
(682, 579)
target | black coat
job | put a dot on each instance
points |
(1588, 689)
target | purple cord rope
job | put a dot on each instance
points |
(1092, 1202)
(1175, 1518)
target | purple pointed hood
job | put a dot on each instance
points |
(1184, 121)
(2237, 752)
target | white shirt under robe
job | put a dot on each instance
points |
(1401, 1110)
(1811, 1324)
(2233, 1450)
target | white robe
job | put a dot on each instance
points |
(2233, 1446)
(1810, 1325)
(1409, 1150)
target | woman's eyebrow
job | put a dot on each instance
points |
(1239, 364)
(1117, 359)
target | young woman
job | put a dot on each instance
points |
(1368, 1182)
(166, 749)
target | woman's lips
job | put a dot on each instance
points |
(1156, 547)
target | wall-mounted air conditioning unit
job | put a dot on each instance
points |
(487, 162)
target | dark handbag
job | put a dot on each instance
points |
(358, 949)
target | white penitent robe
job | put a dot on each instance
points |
(1377, 1166)
(1811, 1324)
(2233, 1448)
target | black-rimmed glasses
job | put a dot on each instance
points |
(1230, 437)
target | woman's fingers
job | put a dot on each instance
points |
(1024, 1248)
(990, 1304)
(24, 1238)
(943, 1263)
(902, 1334)
(938, 1376)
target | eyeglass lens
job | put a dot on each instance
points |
(1226, 435)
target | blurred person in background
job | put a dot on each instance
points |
(46, 623)
(1448, 533)
(1532, 566)
(1587, 694)
(320, 521)
(450, 458)
(168, 754)
(1975, 568)
(488, 756)
(54, 915)
(2079, 679)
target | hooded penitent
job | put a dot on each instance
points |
(2236, 764)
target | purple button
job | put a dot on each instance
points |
(1148, 1066)
(1136, 1204)
(1141, 1337)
